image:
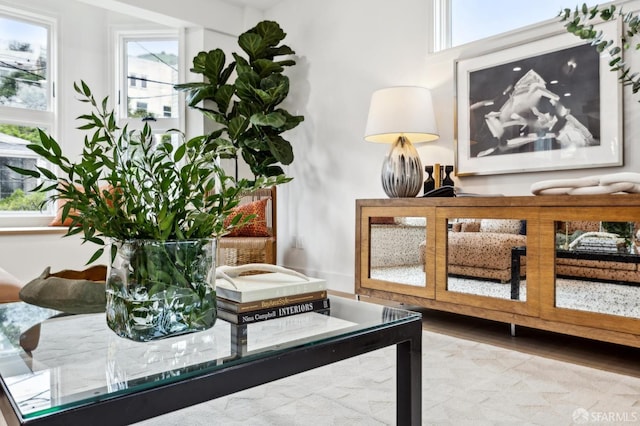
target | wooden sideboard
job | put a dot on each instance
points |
(580, 307)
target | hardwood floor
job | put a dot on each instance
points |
(601, 355)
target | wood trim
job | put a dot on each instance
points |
(555, 201)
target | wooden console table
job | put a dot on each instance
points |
(541, 214)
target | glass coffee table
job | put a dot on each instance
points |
(73, 370)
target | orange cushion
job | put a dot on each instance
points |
(256, 227)
(57, 221)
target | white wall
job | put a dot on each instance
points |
(345, 50)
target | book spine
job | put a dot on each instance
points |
(279, 312)
(231, 306)
(270, 291)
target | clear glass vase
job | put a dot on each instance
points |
(158, 289)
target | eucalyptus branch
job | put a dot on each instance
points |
(580, 22)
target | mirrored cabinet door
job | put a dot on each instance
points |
(396, 253)
(487, 257)
(597, 266)
(397, 249)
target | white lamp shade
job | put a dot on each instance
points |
(401, 111)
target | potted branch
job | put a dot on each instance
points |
(160, 207)
(247, 111)
(580, 22)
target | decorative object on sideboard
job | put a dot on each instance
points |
(429, 182)
(625, 182)
(437, 176)
(446, 179)
(396, 115)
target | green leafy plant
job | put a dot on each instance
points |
(250, 121)
(128, 186)
(580, 22)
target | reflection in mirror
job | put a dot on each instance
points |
(597, 267)
(397, 249)
(480, 255)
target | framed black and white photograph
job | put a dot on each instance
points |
(546, 105)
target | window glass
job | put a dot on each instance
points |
(23, 64)
(469, 18)
(152, 71)
(25, 106)
(15, 195)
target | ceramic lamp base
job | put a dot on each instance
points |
(402, 170)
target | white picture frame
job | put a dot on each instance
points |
(549, 104)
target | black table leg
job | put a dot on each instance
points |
(409, 379)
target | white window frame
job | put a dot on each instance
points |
(441, 19)
(121, 83)
(45, 120)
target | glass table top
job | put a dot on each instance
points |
(51, 362)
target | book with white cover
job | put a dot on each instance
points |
(249, 288)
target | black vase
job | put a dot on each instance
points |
(447, 180)
(429, 183)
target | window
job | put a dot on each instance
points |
(141, 110)
(463, 21)
(26, 104)
(149, 66)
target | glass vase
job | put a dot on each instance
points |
(158, 289)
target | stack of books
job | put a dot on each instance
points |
(266, 296)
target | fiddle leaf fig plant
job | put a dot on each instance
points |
(246, 110)
(580, 22)
(131, 186)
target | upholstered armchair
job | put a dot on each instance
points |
(256, 241)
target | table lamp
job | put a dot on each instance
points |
(399, 116)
